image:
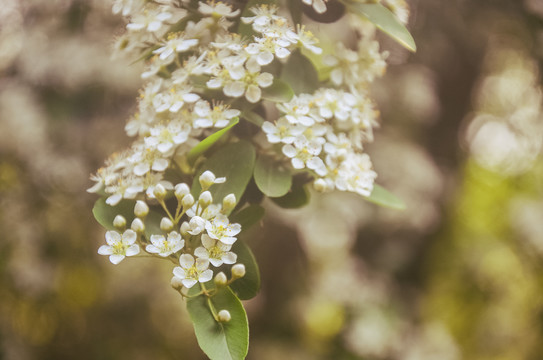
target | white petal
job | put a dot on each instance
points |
(114, 199)
(253, 94)
(289, 151)
(105, 250)
(234, 89)
(129, 237)
(115, 259)
(202, 264)
(229, 258)
(264, 80)
(141, 169)
(179, 272)
(205, 276)
(133, 250)
(200, 252)
(112, 237)
(186, 261)
(160, 165)
(189, 282)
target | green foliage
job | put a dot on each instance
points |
(253, 117)
(205, 144)
(248, 286)
(297, 197)
(248, 216)
(383, 197)
(220, 341)
(279, 91)
(385, 20)
(104, 213)
(300, 74)
(271, 178)
(234, 161)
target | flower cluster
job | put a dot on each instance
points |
(173, 112)
(196, 235)
(324, 132)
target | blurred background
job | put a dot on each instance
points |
(458, 275)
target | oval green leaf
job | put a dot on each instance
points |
(278, 91)
(235, 162)
(385, 20)
(205, 144)
(248, 286)
(297, 197)
(300, 73)
(220, 341)
(383, 197)
(248, 216)
(271, 178)
(104, 213)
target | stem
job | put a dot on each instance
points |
(163, 204)
(212, 308)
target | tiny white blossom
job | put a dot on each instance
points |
(119, 246)
(165, 247)
(215, 251)
(190, 272)
(220, 229)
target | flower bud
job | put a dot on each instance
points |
(185, 228)
(166, 224)
(238, 271)
(205, 199)
(188, 201)
(220, 279)
(119, 222)
(141, 209)
(181, 190)
(159, 192)
(320, 185)
(176, 283)
(138, 226)
(207, 179)
(228, 203)
(224, 316)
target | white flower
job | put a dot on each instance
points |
(308, 40)
(197, 225)
(165, 138)
(151, 20)
(282, 131)
(218, 9)
(165, 247)
(147, 158)
(119, 246)
(176, 43)
(190, 272)
(219, 117)
(215, 251)
(174, 99)
(305, 153)
(220, 229)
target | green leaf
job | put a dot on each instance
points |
(205, 144)
(296, 198)
(272, 178)
(247, 29)
(253, 117)
(279, 91)
(220, 341)
(104, 213)
(248, 216)
(300, 73)
(383, 197)
(385, 20)
(235, 162)
(248, 286)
